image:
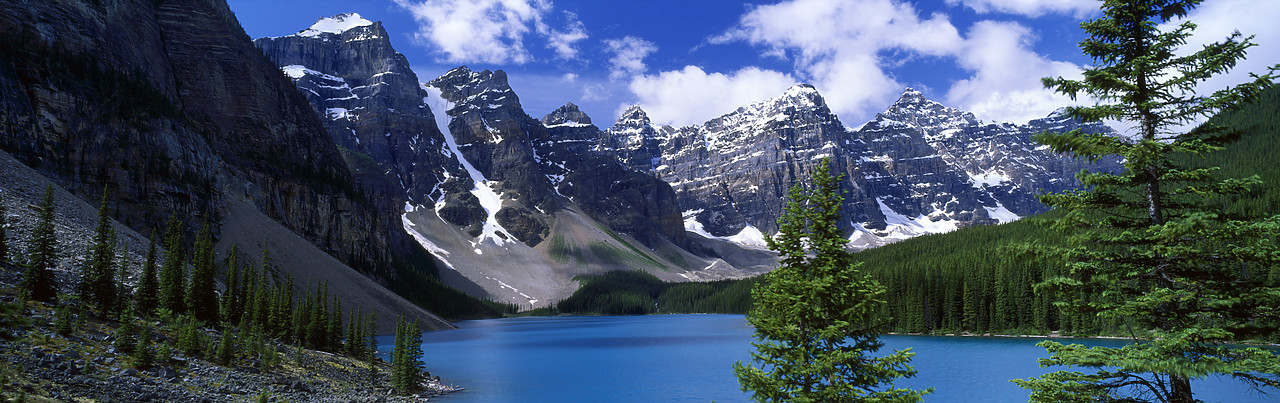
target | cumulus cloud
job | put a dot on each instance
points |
(1006, 74)
(836, 45)
(490, 31)
(692, 96)
(628, 56)
(1215, 20)
(847, 47)
(1032, 8)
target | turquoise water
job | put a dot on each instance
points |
(688, 358)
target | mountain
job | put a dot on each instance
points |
(917, 168)
(170, 106)
(517, 207)
(513, 206)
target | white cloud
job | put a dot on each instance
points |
(562, 41)
(847, 48)
(628, 56)
(836, 45)
(692, 96)
(1006, 83)
(1216, 20)
(489, 31)
(1032, 8)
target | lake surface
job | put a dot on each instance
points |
(689, 358)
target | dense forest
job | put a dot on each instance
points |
(974, 280)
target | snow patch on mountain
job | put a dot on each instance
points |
(749, 236)
(435, 250)
(490, 200)
(335, 25)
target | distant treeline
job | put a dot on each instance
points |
(975, 280)
(640, 293)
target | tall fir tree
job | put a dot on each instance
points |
(4, 228)
(230, 306)
(817, 316)
(172, 274)
(1152, 247)
(38, 283)
(146, 299)
(98, 276)
(201, 296)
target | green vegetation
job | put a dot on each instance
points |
(562, 251)
(406, 358)
(639, 293)
(4, 226)
(38, 283)
(818, 318)
(98, 287)
(1153, 247)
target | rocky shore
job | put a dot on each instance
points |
(39, 364)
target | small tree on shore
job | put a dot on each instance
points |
(817, 316)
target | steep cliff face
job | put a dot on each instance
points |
(610, 191)
(170, 104)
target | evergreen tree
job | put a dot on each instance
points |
(1152, 248)
(4, 227)
(817, 316)
(406, 358)
(38, 283)
(146, 300)
(230, 307)
(172, 274)
(201, 296)
(98, 277)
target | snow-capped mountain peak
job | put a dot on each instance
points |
(914, 109)
(632, 118)
(335, 25)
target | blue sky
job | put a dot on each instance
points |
(689, 61)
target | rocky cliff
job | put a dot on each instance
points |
(170, 105)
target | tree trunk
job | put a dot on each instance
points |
(1180, 389)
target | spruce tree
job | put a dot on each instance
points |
(201, 296)
(230, 307)
(817, 316)
(146, 300)
(98, 276)
(1152, 247)
(4, 227)
(38, 283)
(172, 274)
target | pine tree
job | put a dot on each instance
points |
(817, 315)
(398, 374)
(38, 283)
(4, 227)
(1152, 248)
(172, 274)
(98, 277)
(201, 296)
(146, 300)
(230, 306)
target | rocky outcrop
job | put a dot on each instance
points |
(606, 189)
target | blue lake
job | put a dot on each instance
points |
(689, 358)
